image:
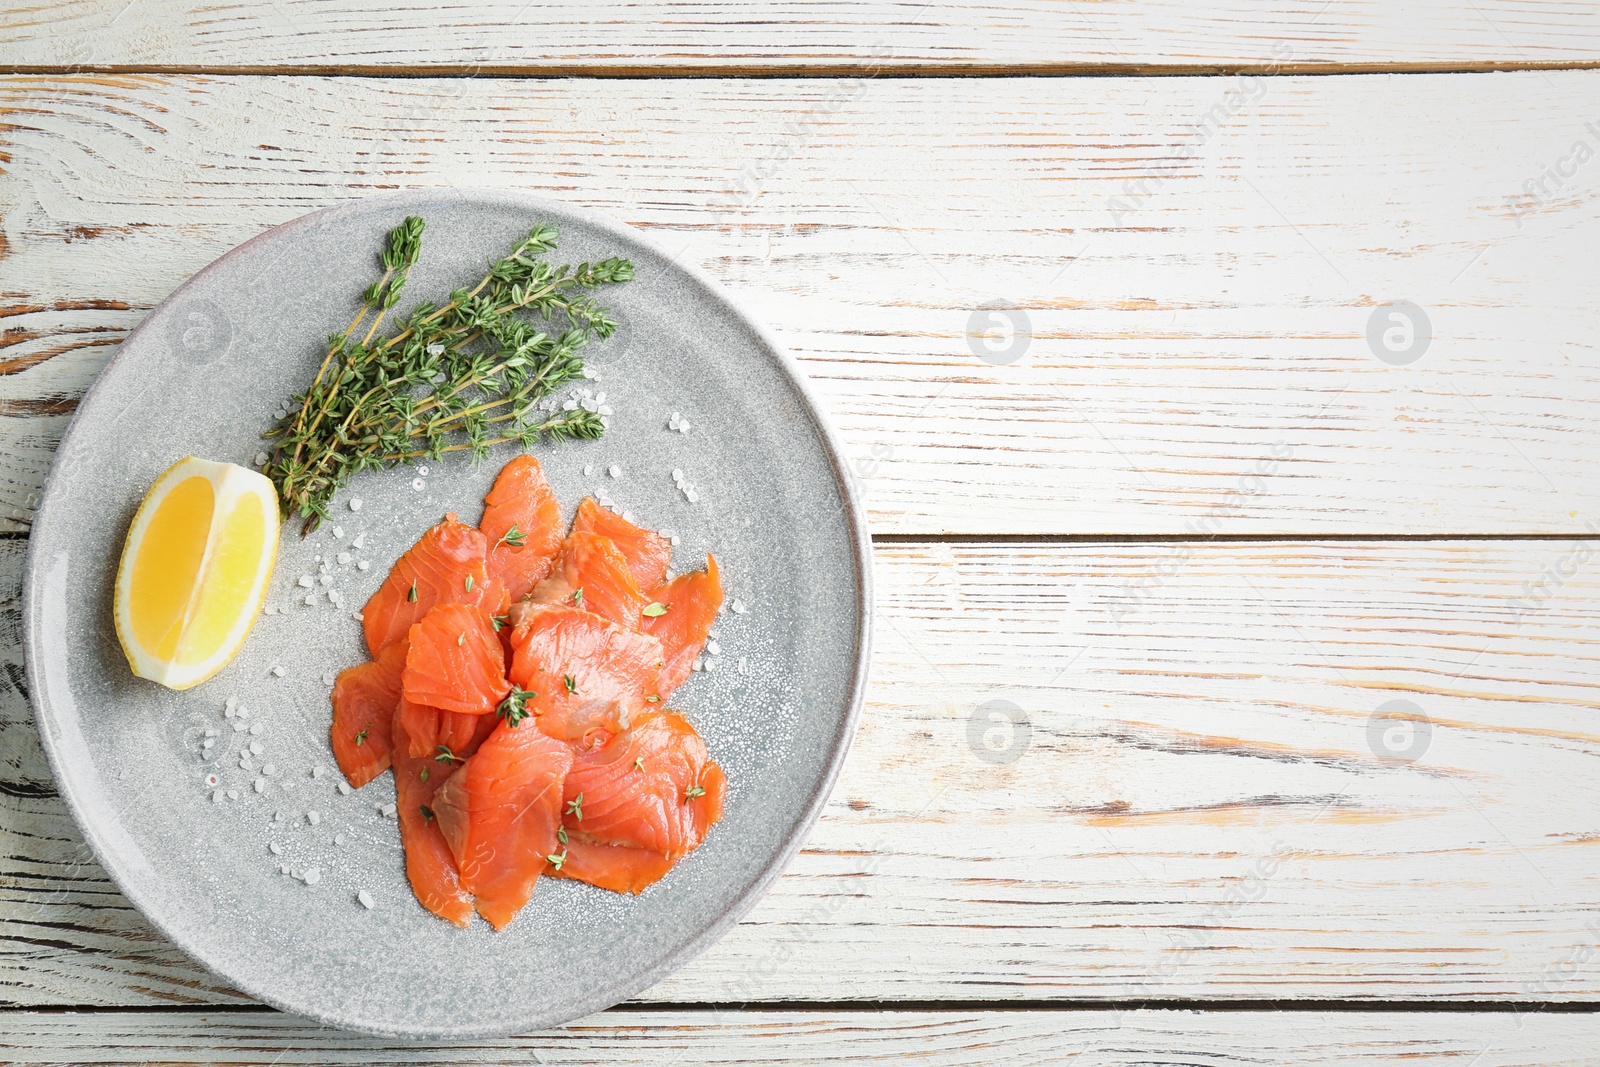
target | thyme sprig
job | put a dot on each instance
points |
(461, 376)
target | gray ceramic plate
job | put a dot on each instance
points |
(202, 375)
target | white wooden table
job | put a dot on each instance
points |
(1162, 533)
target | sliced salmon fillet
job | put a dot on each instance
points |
(500, 812)
(652, 788)
(522, 522)
(364, 699)
(592, 574)
(430, 866)
(584, 673)
(433, 732)
(613, 867)
(646, 551)
(446, 566)
(691, 602)
(455, 661)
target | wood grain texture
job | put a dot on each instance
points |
(1135, 772)
(999, 35)
(1191, 263)
(939, 1039)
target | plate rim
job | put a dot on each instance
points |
(104, 848)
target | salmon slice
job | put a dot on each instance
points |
(455, 661)
(430, 867)
(690, 602)
(522, 522)
(592, 574)
(652, 788)
(646, 551)
(613, 867)
(364, 699)
(580, 673)
(433, 732)
(446, 566)
(500, 812)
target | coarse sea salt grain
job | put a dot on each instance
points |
(216, 797)
(588, 470)
(275, 848)
(277, 671)
(313, 818)
(713, 648)
(338, 839)
(355, 503)
(233, 794)
(261, 785)
(738, 606)
(261, 459)
(358, 541)
(311, 598)
(363, 565)
(327, 677)
(312, 876)
(364, 898)
(306, 581)
(344, 559)
(327, 579)
(257, 729)
(316, 772)
(338, 531)
(240, 727)
(614, 470)
(255, 746)
(269, 769)
(344, 787)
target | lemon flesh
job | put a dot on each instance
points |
(194, 570)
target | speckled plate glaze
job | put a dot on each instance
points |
(203, 374)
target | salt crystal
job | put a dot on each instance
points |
(327, 579)
(683, 427)
(216, 797)
(388, 809)
(436, 349)
(692, 495)
(344, 559)
(363, 565)
(275, 848)
(364, 898)
(269, 769)
(743, 665)
(208, 742)
(627, 516)
(311, 598)
(600, 397)
(360, 541)
(231, 703)
(233, 794)
(698, 664)
(243, 713)
(711, 664)
(277, 816)
(344, 787)
(356, 615)
(240, 727)
(306, 581)
(673, 539)
(313, 875)
(327, 677)
(738, 606)
(338, 531)
(245, 764)
(255, 747)
(570, 405)
(338, 839)
(257, 728)
(261, 459)
(261, 785)
(355, 503)
(283, 868)
(316, 772)
(588, 470)
(605, 409)
(713, 648)
(277, 671)
(677, 475)
(614, 470)
(313, 818)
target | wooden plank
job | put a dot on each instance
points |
(936, 1038)
(1195, 304)
(571, 37)
(1136, 772)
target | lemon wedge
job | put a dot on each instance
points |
(194, 570)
